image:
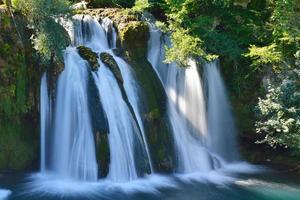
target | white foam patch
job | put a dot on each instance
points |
(4, 194)
(266, 185)
(243, 168)
(42, 184)
(214, 177)
(271, 189)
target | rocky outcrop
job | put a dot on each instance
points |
(90, 56)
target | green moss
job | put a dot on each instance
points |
(156, 125)
(19, 90)
(90, 56)
(102, 154)
(16, 150)
(110, 62)
(134, 38)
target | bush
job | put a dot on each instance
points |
(279, 113)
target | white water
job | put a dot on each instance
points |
(4, 194)
(73, 149)
(222, 130)
(67, 143)
(192, 128)
(130, 84)
(45, 109)
(132, 90)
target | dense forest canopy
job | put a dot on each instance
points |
(257, 42)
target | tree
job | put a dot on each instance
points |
(50, 38)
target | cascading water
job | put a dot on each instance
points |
(73, 148)
(222, 130)
(45, 119)
(196, 148)
(72, 144)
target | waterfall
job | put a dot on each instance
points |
(198, 142)
(45, 118)
(221, 122)
(72, 153)
(73, 148)
(67, 144)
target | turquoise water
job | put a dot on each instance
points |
(265, 185)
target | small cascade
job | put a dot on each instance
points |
(45, 109)
(221, 125)
(192, 125)
(110, 31)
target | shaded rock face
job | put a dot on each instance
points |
(100, 127)
(98, 116)
(102, 153)
(157, 129)
(90, 56)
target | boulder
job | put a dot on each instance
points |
(90, 56)
(110, 62)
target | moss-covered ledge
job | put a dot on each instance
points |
(134, 38)
(110, 62)
(133, 32)
(90, 56)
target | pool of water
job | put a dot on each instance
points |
(238, 182)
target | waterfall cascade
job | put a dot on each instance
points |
(202, 126)
(71, 143)
(202, 131)
(221, 127)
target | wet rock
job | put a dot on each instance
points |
(118, 52)
(90, 56)
(97, 114)
(110, 62)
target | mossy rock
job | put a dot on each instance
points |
(157, 128)
(134, 38)
(110, 62)
(102, 154)
(90, 56)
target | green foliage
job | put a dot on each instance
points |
(17, 143)
(183, 47)
(16, 152)
(279, 113)
(50, 38)
(218, 27)
(141, 5)
(262, 56)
